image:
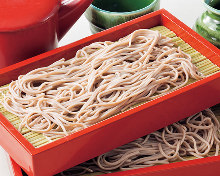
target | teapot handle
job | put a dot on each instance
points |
(69, 13)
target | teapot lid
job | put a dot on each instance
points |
(19, 14)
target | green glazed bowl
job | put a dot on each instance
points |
(104, 14)
(208, 24)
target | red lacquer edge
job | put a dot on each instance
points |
(15, 168)
(166, 167)
(32, 150)
(148, 170)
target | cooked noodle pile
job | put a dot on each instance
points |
(103, 79)
(196, 136)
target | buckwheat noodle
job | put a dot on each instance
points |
(196, 136)
(103, 79)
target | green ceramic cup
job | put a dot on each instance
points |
(208, 24)
(104, 14)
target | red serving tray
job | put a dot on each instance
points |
(86, 144)
(198, 167)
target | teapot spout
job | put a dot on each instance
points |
(69, 13)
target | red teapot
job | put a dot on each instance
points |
(31, 27)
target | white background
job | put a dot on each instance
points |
(186, 10)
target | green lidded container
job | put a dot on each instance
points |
(208, 24)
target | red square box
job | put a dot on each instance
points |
(76, 148)
(199, 167)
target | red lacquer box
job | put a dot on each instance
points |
(199, 167)
(64, 153)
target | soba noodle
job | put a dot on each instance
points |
(196, 136)
(103, 79)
